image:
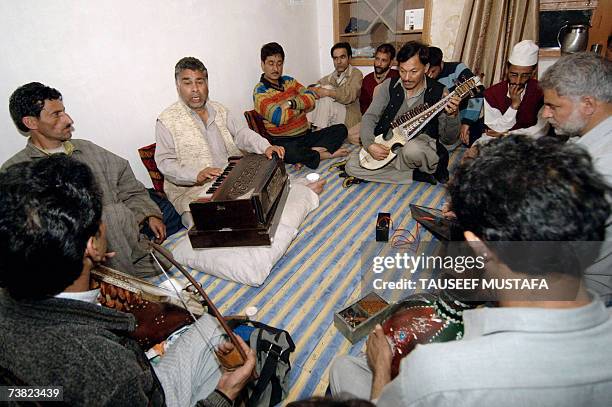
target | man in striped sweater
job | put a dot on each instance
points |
(283, 103)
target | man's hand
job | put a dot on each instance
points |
(447, 211)
(316, 89)
(379, 355)
(496, 134)
(286, 105)
(158, 228)
(322, 92)
(515, 92)
(464, 134)
(208, 173)
(452, 107)
(378, 151)
(231, 383)
(274, 149)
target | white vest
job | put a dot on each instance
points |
(191, 148)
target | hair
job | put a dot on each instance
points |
(435, 56)
(29, 100)
(609, 41)
(270, 49)
(519, 189)
(329, 402)
(412, 48)
(49, 208)
(386, 48)
(581, 74)
(191, 63)
(344, 45)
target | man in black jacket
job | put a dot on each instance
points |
(53, 332)
(423, 158)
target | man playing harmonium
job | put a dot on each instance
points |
(53, 330)
(195, 137)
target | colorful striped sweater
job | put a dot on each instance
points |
(470, 108)
(279, 122)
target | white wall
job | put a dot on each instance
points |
(325, 22)
(113, 60)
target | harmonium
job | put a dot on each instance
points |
(243, 206)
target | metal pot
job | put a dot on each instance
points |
(575, 38)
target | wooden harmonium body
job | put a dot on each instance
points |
(243, 206)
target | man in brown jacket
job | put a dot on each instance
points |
(38, 112)
(338, 92)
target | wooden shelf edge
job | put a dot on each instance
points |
(362, 61)
(549, 52)
(402, 32)
(353, 34)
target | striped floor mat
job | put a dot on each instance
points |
(320, 273)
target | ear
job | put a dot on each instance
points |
(30, 122)
(588, 104)
(95, 250)
(262, 65)
(91, 250)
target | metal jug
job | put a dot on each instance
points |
(575, 39)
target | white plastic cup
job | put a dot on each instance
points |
(250, 312)
(313, 177)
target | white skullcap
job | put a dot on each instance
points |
(525, 53)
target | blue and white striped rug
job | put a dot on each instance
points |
(320, 272)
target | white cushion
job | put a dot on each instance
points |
(252, 265)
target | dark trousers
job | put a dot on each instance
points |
(299, 149)
(172, 219)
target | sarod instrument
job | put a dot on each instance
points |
(409, 124)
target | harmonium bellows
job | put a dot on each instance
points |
(242, 206)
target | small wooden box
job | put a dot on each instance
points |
(359, 319)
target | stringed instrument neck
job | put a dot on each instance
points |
(423, 113)
(409, 124)
(237, 357)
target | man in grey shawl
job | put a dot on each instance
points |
(38, 112)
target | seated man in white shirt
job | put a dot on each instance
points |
(512, 106)
(195, 137)
(532, 349)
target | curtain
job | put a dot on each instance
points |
(488, 31)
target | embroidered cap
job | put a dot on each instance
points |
(525, 53)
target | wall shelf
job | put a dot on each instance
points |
(374, 22)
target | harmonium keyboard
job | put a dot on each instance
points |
(243, 206)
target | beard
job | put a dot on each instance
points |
(572, 127)
(379, 71)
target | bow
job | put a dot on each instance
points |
(231, 360)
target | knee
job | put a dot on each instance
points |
(338, 371)
(352, 166)
(411, 152)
